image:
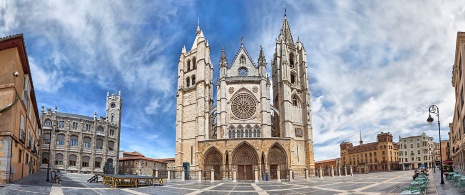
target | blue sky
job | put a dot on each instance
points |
(374, 66)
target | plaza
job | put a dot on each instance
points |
(372, 183)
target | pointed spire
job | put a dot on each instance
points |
(198, 26)
(183, 49)
(286, 32)
(361, 141)
(242, 41)
(261, 57)
(298, 39)
(284, 11)
(223, 60)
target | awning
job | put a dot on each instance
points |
(447, 162)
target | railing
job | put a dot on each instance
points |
(98, 151)
(101, 133)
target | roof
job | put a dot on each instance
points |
(286, 31)
(69, 115)
(140, 158)
(323, 161)
(135, 153)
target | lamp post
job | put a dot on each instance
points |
(435, 110)
(49, 152)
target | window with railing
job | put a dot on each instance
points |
(73, 140)
(72, 160)
(60, 140)
(86, 142)
(61, 124)
(59, 159)
(85, 161)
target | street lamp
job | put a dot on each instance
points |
(435, 110)
(49, 152)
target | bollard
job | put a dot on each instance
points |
(200, 176)
(291, 175)
(339, 170)
(256, 175)
(169, 175)
(183, 175)
(306, 173)
(351, 171)
(332, 171)
(345, 170)
(320, 172)
(279, 174)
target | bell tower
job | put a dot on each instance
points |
(194, 100)
(113, 108)
(291, 94)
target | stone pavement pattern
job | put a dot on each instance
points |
(372, 183)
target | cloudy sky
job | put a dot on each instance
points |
(374, 66)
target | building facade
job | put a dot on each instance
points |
(82, 144)
(19, 118)
(134, 163)
(416, 152)
(244, 131)
(376, 156)
(457, 127)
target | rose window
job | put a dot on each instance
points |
(243, 106)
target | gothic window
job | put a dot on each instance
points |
(291, 60)
(248, 131)
(188, 81)
(243, 106)
(295, 101)
(193, 79)
(112, 117)
(242, 61)
(257, 128)
(232, 133)
(242, 71)
(254, 133)
(188, 65)
(240, 131)
(194, 63)
(292, 78)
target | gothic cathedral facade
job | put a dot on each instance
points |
(245, 130)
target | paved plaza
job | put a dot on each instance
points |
(372, 183)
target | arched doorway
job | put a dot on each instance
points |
(245, 158)
(213, 160)
(277, 157)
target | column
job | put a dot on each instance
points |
(234, 175)
(169, 175)
(212, 175)
(320, 172)
(256, 174)
(156, 172)
(351, 171)
(279, 174)
(339, 170)
(332, 171)
(306, 173)
(183, 175)
(345, 170)
(200, 176)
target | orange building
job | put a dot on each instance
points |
(19, 119)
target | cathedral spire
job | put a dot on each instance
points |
(223, 60)
(261, 58)
(198, 26)
(286, 31)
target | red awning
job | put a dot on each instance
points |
(447, 162)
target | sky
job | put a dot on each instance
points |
(373, 66)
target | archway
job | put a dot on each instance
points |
(277, 158)
(213, 160)
(245, 159)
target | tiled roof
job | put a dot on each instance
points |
(69, 115)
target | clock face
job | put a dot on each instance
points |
(298, 132)
(112, 105)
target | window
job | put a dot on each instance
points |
(75, 125)
(291, 60)
(26, 86)
(112, 132)
(187, 81)
(239, 133)
(60, 139)
(61, 124)
(419, 159)
(59, 159)
(86, 142)
(232, 133)
(73, 140)
(188, 65)
(85, 161)
(45, 158)
(72, 160)
(88, 127)
(111, 145)
(406, 159)
(48, 123)
(258, 130)
(99, 144)
(292, 78)
(112, 117)
(418, 145)
(405, 153)
(194, 63)
(418, 151)
(411, 145)
(98, 162)
(193, 80)
(242, 71)
(46, 139)
(294, 101)
(27, 157)
(22, 134)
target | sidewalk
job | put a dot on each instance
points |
(444, 189)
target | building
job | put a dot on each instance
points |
(381, 155)
(446, 150)
(457, 128)
(416, 152)
(82, 144)
(19, 118)
(244, 131)
(134, 163)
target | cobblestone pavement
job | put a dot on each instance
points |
(372, 183)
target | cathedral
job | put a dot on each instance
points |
(245, 129)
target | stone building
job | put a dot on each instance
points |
(19, 117)
(457, 127)
(416, 151)
(375, 156)
(134, 163)
(244, 131)
(82, 144)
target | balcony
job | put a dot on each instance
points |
(60, 147)
(86, 150)
(98, 151)
(73, 148)
(111, 153)
(100, 133)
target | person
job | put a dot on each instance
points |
(56, 177)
